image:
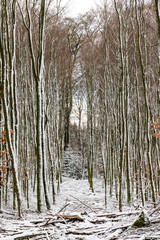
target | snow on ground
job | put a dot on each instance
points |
(79, 214)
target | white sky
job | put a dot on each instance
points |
(76, 7)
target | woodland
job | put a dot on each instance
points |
(107, 59)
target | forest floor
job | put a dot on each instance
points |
(81, 215)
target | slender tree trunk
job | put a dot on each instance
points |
(38, 74)
(143, 72)
(44, 152)
(127, 98)
(39, 145)
(121, 104)
(139, 137)
(9, 116)
(1, 136)
(157, 8)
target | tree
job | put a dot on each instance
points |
(143, 61)
(7, 38)
(157, 8)
(88, 61)
(38, 74)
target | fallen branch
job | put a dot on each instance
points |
(149, 238)
(52, 220)
(90, 231)
(114, 235)
(72, 217)
(63, 207)
(152, 238)
(9, 213)
(98, 221)
(124, 227)
(37, 221)
(79, 233)
(154, 221)
(155, 210)
(100, 231)
(114, 215)
(24, 235)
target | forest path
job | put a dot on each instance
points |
(79, 214)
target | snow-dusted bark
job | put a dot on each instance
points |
(127, 98)
(143, 60)
(139, 143)
(1, 135)
(38, 74)
(44, 150)
(39, 146)
(90, 127)
(8, 39)
(105, 110)
(121, 101)
(157, 8)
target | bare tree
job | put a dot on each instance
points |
(7, 50)
(38, 74)
(157, 8)
(143, 61)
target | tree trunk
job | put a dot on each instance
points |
(157, 8)
(9, 113)
(143, 73)
(39, 145)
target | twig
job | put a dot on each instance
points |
(83, 203)
(156, 209)
(63, 208)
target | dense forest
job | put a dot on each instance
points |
(107, 59)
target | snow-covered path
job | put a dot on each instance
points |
(79, 214)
